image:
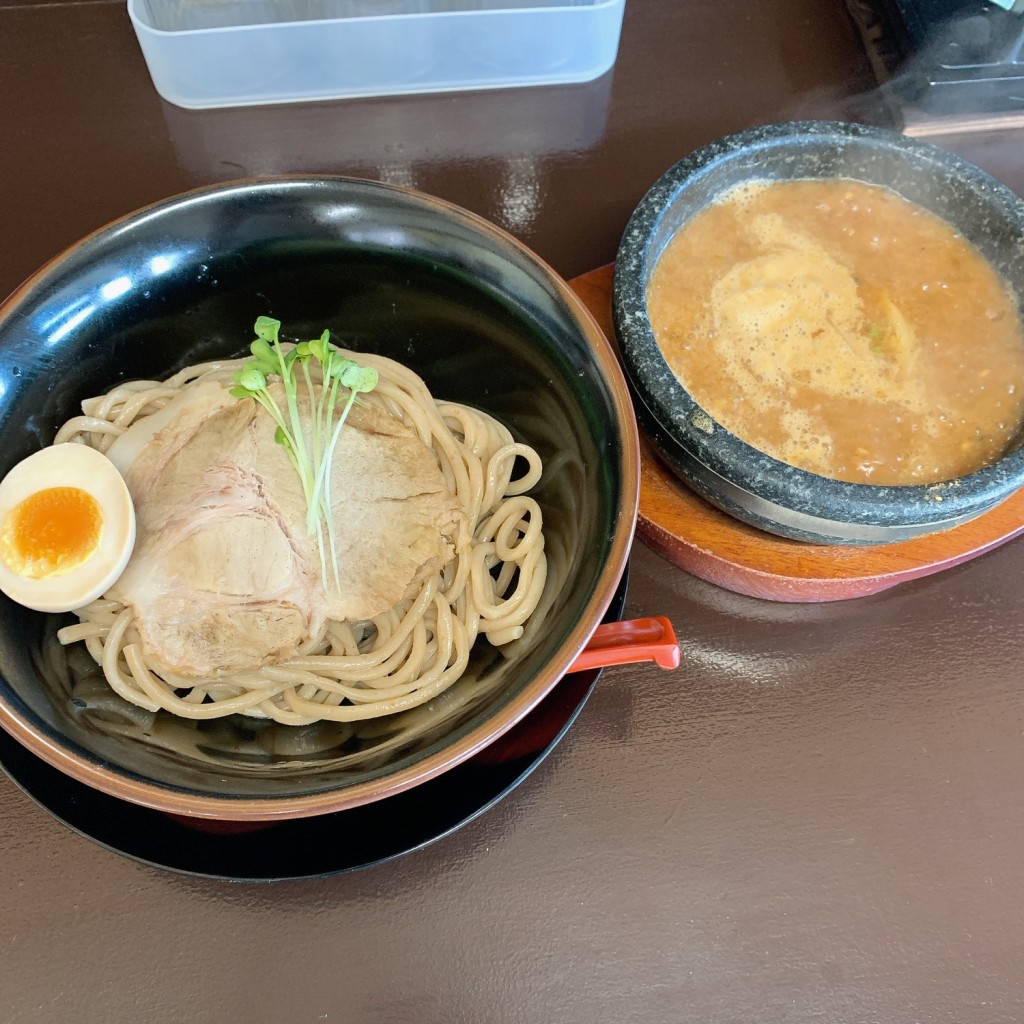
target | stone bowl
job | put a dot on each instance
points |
(736, 477)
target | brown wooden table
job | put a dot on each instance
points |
(819, 818)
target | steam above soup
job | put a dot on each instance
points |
(844, 330)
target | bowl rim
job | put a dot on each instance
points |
(667, 402)
(152, 794)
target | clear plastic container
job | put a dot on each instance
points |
(223, 53)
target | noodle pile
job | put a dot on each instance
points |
(353, 670)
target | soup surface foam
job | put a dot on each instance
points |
(844, 330)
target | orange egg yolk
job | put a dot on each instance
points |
(51, 532)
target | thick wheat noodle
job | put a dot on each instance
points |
(403, 657)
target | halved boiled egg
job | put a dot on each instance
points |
(67, 528)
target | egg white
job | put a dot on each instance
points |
(72, 465)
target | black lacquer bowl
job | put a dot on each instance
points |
(387, 270)
(733, 475)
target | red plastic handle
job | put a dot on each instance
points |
(625, 643)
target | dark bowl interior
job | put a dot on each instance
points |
(733, 475)
(388, 271)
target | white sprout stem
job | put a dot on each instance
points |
(266, 400)
(320, 546)
(323, 470)
(312, 411)
(334, 553)
(293, 410)
(329, 462)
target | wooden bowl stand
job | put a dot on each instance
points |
(697, 537)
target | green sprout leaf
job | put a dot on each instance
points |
(267, 329)
(321, 347)
(340, 366)
(359, 378)
(251, 378)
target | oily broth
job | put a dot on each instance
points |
(844, 330)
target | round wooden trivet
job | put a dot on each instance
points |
(699, 538)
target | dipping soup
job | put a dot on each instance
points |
(844, 330)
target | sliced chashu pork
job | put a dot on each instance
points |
(225, 576)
